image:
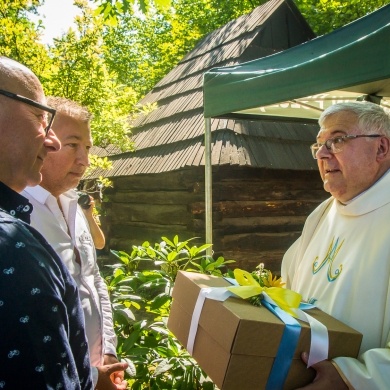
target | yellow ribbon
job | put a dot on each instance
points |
(286, 299)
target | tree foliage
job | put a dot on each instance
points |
(207, 15)
(19, 36)
(109, 66)
(325, 16)
(137, 50)
(80, 73)
(112, 10)
(144, 48)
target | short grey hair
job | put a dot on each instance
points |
(70, 108)
(371, 117)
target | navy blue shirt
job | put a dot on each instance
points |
(42, 339)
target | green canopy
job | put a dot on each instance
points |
(350, 63)
(300, 82)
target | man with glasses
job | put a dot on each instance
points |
(42, 339)
(43, 343)
(341, 262)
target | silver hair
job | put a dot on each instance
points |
(70, 108)
(371, 117)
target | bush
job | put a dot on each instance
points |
(141, 300)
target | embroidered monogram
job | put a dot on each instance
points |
(331, 254)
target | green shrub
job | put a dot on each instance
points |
(140, 291)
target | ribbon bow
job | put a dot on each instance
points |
(286, 299)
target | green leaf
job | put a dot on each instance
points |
(118, 277)
(127, 314)
(204, 247)
(172, 256)
(150, 341)
(130, 370)
(164, 4)
(130, 341)
(208, 386)
(164, 366)
(140, 324)
(138, 351)
(168, 241)
(159, 301)
(160, 330)
(174, 346)
(125, 297)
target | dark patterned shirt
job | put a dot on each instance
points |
(42, 339)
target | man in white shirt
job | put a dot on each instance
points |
(59, 218)
(341, 262)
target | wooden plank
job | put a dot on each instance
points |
(156, 197)
(142, 231)
(159, 214)
(258, 208)
(163, 181)
(260, 224)
(137, 237)
(216, 151)
(243, 155)
(224, 157)
(260, 174)
(250, 259)
(253, 224)
(199, 156)
(257, 191)
(234, 154)
(259, 241)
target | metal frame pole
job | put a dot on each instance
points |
(208, 186)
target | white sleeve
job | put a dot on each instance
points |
(110, 339)
(370, 371)
(95, 376)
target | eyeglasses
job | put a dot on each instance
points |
(51, 112)
(336, 144)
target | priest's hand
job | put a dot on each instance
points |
(327, 377)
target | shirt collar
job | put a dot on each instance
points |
(15, 204)
(38, 193)
(41, 195)
(371, 199)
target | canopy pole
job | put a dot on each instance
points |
(208, 185)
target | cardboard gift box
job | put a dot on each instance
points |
(236, 342)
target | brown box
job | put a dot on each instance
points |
(236, 342)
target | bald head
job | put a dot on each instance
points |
(24, 142)
(17, 78)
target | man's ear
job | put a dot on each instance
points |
(383, 151)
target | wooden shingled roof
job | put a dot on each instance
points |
(172, 136)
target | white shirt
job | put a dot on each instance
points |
(66, 230)
(341, 263)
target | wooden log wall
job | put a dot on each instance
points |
(257, 214)
(146, 207)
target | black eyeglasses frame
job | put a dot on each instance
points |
(33, 103)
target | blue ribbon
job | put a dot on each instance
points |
(287, 346)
